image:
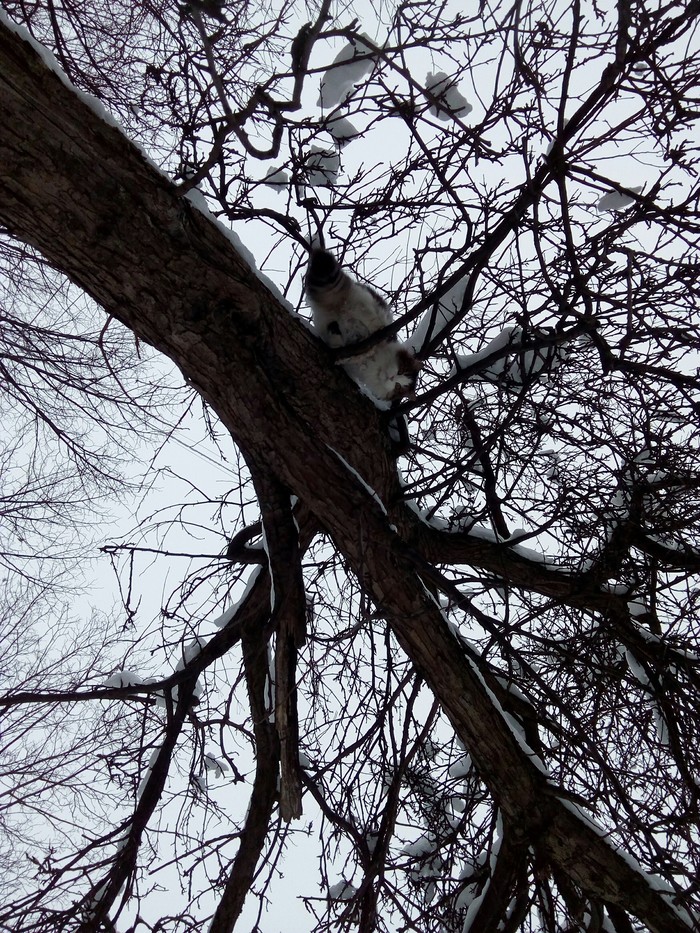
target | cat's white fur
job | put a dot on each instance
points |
(345, 312)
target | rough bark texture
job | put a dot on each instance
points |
(77, 190)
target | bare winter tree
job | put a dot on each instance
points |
(448, 684)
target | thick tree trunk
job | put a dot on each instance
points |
(76, 189)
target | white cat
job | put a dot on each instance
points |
(345, 312)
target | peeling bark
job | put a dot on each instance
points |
(289, 616)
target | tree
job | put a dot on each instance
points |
(494, 714)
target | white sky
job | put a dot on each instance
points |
(188, 455)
